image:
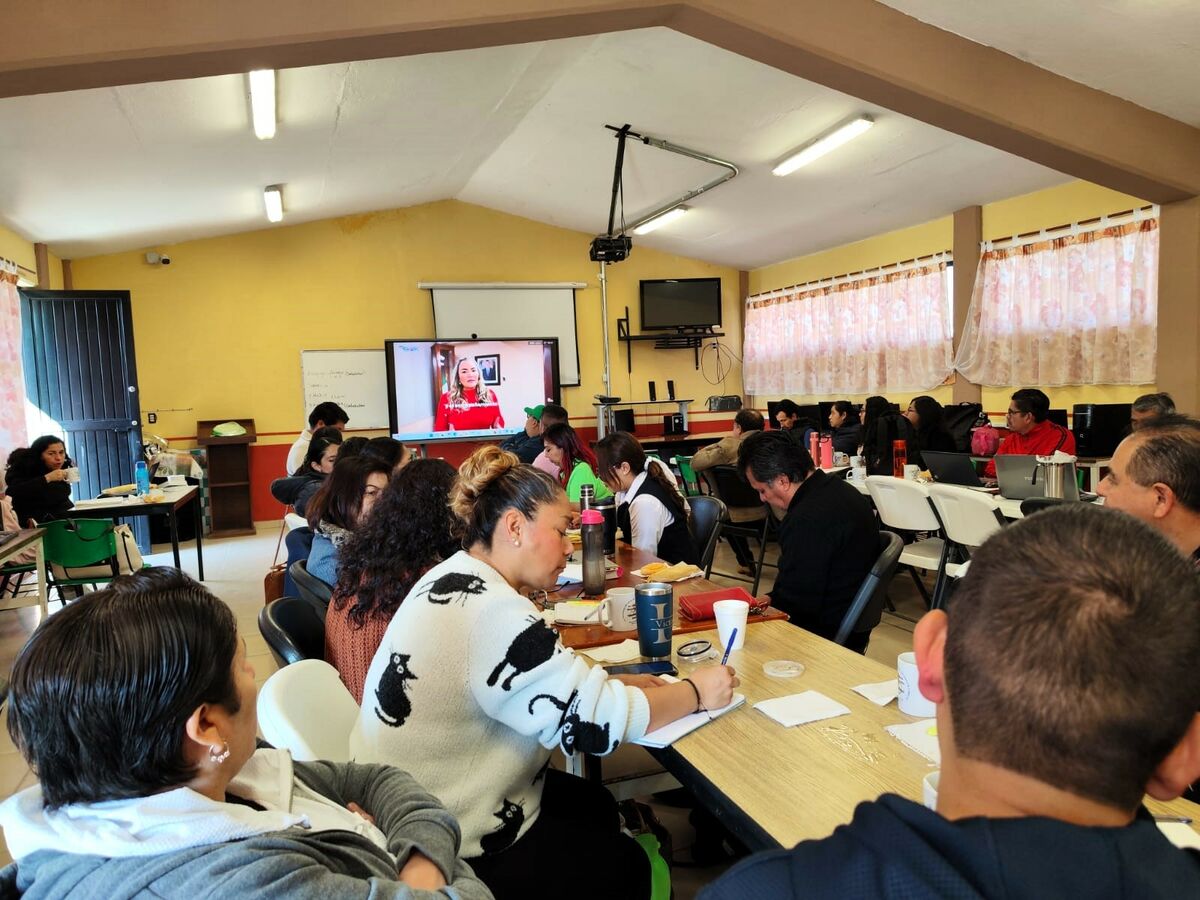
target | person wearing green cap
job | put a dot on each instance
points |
(527, 444)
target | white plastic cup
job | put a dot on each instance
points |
(929, 789)
(618, 612)
(731, 614)
(911, 701)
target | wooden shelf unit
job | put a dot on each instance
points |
(228, 476)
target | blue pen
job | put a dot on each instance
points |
(729, 646)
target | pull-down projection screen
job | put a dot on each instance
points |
(510, 310)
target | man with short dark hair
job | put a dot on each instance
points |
(324, 415)
(828, 539)
(724, 453)
(1149, 407)
(1030, 433)
(1155, 476)
(787, 414)
(552, 414)
(527, 444)
(1065, 684)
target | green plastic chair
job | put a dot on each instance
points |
(76, 543)
(691, 484)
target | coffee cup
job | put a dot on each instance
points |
(731, 614)
(929, 789)
(72, 474)
(910, 700)
(655, 612)
(911, 472)
(618, 611)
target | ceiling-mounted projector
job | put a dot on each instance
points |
(610, 249)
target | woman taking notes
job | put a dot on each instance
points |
(650, 511)
(469, 404)
(136, 707)
(471, 689)
(576, 463)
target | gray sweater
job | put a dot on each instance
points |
(293, 863)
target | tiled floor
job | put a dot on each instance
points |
(236, 567)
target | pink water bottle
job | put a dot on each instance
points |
(814, 442)
(827, 452)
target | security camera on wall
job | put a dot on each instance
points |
(158, 259)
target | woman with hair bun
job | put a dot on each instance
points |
(471, 689)
(650, 511)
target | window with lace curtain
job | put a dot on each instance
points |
(889, 332)
(12, 382)
(1079, 309)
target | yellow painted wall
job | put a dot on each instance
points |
(218, 333)
(1073, 202)
(16, 248)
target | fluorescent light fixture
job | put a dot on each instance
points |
(273, 200)
(818, 147)
(262, 102)
(660, 220)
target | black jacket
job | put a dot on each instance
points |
(846, 438)
(828, 542)
(297, 490)
(897, 849)
(676, 544)
(527, 448)
(32, 495)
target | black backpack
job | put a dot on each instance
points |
(878, 443)
(959, 420)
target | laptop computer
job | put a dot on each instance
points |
(1015, 474)
(951, 468)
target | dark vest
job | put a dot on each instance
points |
(676, 543)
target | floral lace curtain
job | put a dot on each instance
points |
(12, 382)
(1080, 309)
(882, 334)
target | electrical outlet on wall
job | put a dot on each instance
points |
(152, 418)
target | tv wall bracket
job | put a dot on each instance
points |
(680, 339)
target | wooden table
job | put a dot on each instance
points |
(579, 637)
(174, 498)
(27, 537)
(774, 786)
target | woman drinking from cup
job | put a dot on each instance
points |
(136, 707)
(39, 480)
(471, 689)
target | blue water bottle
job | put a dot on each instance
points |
(141, 475)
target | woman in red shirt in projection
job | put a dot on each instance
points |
(469, 404)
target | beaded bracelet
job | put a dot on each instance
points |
(699, 705)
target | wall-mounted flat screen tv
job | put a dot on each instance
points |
(670, 303)
(467, 389)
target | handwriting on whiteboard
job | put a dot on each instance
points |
(353, 379)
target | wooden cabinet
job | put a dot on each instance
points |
(228, 476)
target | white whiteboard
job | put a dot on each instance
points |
(510, 311)
(355, 380)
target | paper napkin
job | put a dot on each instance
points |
(797, 709)
(919, 736)
(614, 653)
(881, 693)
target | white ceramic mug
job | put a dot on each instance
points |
(619, 609)
(929, 789)
(911, 701)
(731, 614)
(72, 475)
(911, 472)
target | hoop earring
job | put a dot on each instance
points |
(216, 757)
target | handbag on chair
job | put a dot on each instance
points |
(273, 581)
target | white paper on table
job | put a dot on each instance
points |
(577, 612)
(920, 737)
(614, 653)
(881, 693)
(1180, 834)
(798, 709)
(673, 731)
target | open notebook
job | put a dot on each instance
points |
(669, 734)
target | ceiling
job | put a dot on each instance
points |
(516, 128)
(1147, 51)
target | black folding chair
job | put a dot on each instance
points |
(727, 485)
(709, 516)
(866, 609)
(293, 630)
(311, 588)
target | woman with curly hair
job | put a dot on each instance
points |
(469, 404)
(410, 530)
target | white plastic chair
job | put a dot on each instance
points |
(904, 505)
(968, 519)
(306, 709)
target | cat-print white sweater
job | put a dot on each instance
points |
(469, 692)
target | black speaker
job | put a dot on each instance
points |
(623, 420)
(653, 392)
(671, 390)
(1099, 427)
(668, 424)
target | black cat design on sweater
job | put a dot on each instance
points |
(394, 705)
(577, 734)
(512, 817)
(454, 586)
(529, 649)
